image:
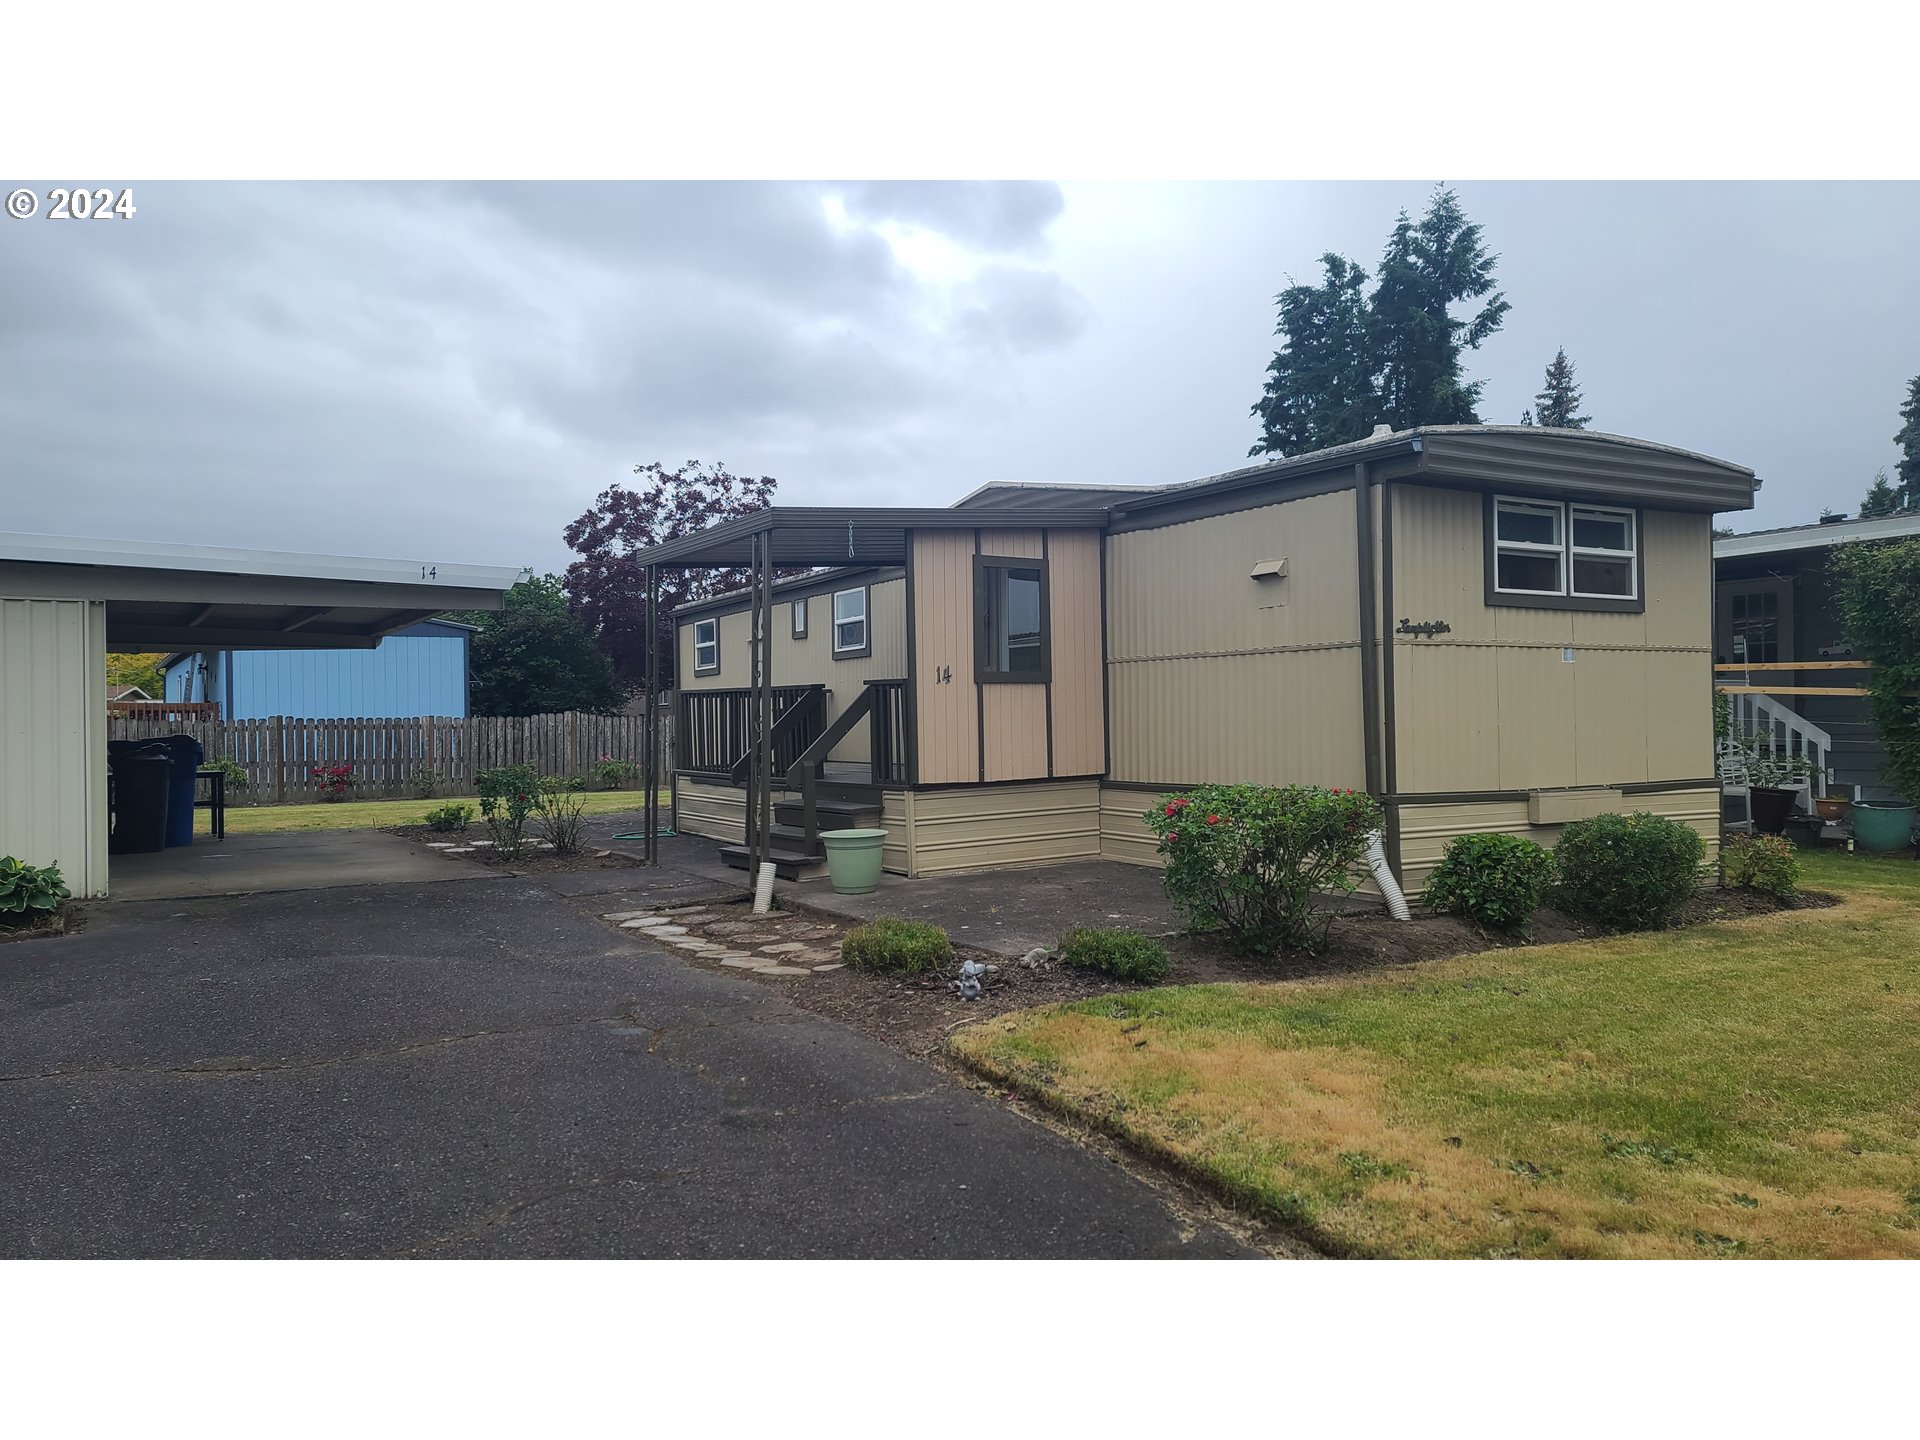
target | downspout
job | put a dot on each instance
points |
(1370, 708)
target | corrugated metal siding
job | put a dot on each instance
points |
(896, 818)
(1425, 830)
(1212, 677)
(809, 660)
(984, 827)
(1493, 705)
(53, 748)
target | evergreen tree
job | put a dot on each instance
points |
(1881, 498)
(1426, 269)
(1559, 402)
(1319, 389)
(1907, 473)
(533, 656)
(1349, 360)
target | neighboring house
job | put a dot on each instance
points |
(1491, 628)
(1774, 603)
(419, 670)
(126, 692)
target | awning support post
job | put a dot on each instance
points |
(650, 728)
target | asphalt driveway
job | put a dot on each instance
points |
(480, 1068)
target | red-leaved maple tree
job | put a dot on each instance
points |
(608, 589)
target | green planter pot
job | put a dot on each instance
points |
(1882, 826)
(853, 859)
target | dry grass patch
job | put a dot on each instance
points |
(1734, 1089)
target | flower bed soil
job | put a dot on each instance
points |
(916, 1014)
(530, 862)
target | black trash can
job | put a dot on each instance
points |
(142, 777)
(187, 755)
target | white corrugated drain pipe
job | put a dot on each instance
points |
(1383, 877)
(763, 890)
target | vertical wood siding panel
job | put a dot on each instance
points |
(943, 617)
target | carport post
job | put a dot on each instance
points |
(650, 726)
(764, 599)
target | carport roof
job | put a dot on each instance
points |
(843, 536)
(192, 597)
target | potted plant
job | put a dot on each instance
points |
(1772, 781)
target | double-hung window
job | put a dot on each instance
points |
(1560, 554)
(706, 647)
(850, 634)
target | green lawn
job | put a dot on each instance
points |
(1743, 1088)
(369, 814)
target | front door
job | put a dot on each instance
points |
(1753, 622)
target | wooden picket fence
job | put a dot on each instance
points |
(281, 753)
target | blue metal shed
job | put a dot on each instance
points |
(420, 670)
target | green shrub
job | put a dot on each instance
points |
(1878, 586)
(1627, 872)
(1249, 859)
(1761, 862)
(558, 816)
(450, 817)
(426, 782)
(504, 782)
(29, 892)
(235, 772)
(615, 773)
(1494, 880)
(1120, 953)
(896, 947)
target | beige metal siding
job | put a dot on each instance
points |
(53, 745)
(896, 818)
(1073, 597)
(810, 661)
(982, 827)
(718, 812)
(1494, 704)
(1215, 676)
(1425, 830)
(1123, 833)
(945, 702)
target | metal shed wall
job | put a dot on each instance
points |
(53, 743)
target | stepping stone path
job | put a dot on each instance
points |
(440, 845)
(461, 850)
(794, 946)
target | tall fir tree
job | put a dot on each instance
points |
(1319, 388)
(1349, 360)
(1558, 403)
(1881, 498)
(1427, 268)
(1906, 482)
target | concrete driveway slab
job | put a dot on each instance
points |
(301, 860)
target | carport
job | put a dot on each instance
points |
(66, 602)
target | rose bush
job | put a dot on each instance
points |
(1248, 860)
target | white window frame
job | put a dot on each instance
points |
(1565, 512)
(1631, 555)
(1558, 549)
(800, 618)
(713, 644)
(865, 645)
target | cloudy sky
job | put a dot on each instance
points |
(456, 371)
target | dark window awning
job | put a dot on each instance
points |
(841, 536)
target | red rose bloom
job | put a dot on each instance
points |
(1213, 819)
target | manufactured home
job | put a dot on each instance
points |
(1490, 628)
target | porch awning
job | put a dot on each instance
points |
(813, 536)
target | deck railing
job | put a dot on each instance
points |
(889, 732)
(714, 729)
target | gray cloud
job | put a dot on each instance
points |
(454, 371)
